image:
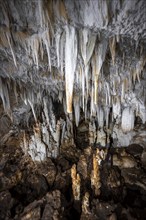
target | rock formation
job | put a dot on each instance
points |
(72, 109)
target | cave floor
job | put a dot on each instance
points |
(34, 190)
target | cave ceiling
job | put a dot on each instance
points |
(65, 62)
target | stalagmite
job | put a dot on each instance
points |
(85, 204)
(25, 143)
(70, 64)
(127, 119)
(75, 183)
(92, 133)
(95, 174)
(37, 149)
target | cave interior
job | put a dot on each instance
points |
(72, 109)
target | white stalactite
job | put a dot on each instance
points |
(70, 64)
(98, 60)
(100, 115)
(116, 107)
(77, 109)
(11, 48)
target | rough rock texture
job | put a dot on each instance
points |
(44, 190)
(72, 94)
(66, 62)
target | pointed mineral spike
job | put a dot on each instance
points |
(70, 64)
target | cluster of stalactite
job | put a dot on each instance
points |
(89, 75)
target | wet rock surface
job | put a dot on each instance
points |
(42, 191)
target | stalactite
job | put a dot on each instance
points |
(82, 80)
(101, 117)
(84, 41)
(33, 43)
(116, 107)
(112, 45)
(76, 102)
(3, 38)
(82, 87)
(41, 13)
(70, 64)
(45, 136)
(62, 40)
(107, 111)
(15, 91)
(57, 39)
(32, 108)
(138, 69)
(109, 95)
(97, 63)
(122, 91)
(46, 42)
(46, 111)
(35, 46)
(30, 98)
(9, 40)
(104, 12)
(4, 93)
(62, 10)
(87, 42)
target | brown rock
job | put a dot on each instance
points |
(32, 211)
(48, 170)
(6, 203)
(53, 207)
(82, 167)
(143, 159)
(134, 149)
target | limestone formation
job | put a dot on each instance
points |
(72, 109)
